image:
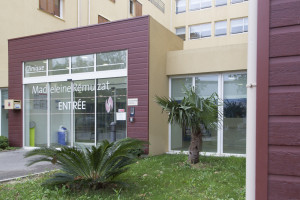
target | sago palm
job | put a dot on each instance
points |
(92, 167)
(193, 112)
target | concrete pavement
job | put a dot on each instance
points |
(13, 165)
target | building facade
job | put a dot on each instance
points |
(213, 58)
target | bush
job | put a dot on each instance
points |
(3, 142)
(94, 167)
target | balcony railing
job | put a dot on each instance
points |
(159, 4)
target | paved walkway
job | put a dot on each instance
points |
(13, 165)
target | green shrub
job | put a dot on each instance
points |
(3, 142)
(94, 167)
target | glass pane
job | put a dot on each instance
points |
(60, 114)
(35, 68)
(246, 24)
(236, 1)
(111, 60)
(205, 4)
(194, 4)
(58, 66)
(180, 137)
(84, 63)
(111, 107)
(237, 26)
(180, 6)
(195, 32)
(4, 113)
(205, 86)
(221, 28)
(35, 113)
(84, 112)
(234, 130)
(205, 30)
(180, 32)
(221, 3)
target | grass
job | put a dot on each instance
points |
(162, 177)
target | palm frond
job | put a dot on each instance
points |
(89, 166)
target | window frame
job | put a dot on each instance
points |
(44, 6)
(177, 8)
(225, 28)
(200, 31)
(220, 139)
(182, 36)
(244, 25)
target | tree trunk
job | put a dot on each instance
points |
(195, 146)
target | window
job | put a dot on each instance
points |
(84, 63)
(220, 28)
(135, 8)
(138, 9)
(131, 5)
(180, 6)
(221, 3)
(200, 31)
(239, 25)
(58, 66)
(35, 68)
(102, 19)
(231, 87)
(199, 4)
(111, 60)
(53, 7)
(180, 32)
(205, 4)
(195, 4)
(237, 1)
(80, 105)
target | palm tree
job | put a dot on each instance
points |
(193, 112)
(93, 167)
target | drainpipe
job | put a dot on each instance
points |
(171, 16)
(251, 102)
(89, 12)
(78, 14)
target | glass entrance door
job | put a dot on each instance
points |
(84, 112)
(111, 107)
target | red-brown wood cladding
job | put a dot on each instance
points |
(284, 100)
(284, 13)
(279, 156)
(131, 34)
(284, 41)
(283, 187)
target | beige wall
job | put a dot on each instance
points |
(161, 41)
(206, 60)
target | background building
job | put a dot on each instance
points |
(213, 57)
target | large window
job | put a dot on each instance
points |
(200, 31)
(75, 106)
(239, 25)
(180, 32)
(180, 6)
(229, 138)
(53, 7)
(221, 28)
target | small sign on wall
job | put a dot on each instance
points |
(133, 101)
(12, 104)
